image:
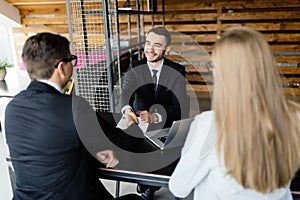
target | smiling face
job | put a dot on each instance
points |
(155, 47)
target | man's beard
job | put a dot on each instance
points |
(160, 57)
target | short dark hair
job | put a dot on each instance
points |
(162, 31)
(42, 51)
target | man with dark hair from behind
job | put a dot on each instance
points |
(48, 157)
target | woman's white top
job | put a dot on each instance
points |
(199, 169)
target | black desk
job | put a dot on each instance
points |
(152, 167)
(130, 169)
(134, 177)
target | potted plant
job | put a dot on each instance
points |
(3, 65)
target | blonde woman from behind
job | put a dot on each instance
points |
(248, 146)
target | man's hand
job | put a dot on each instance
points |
(129, 117)
(147, 117)
(108, 158)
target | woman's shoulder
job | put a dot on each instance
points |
(200, 128)
(205, 116)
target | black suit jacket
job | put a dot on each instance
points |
(51, 138)
(170, 98)
(47, 154)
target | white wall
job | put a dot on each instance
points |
(5, 50)
(5, 53)
(9, 15)
(15, 79)
(9, 18)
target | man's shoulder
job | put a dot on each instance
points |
(173, 64)
(18, 98)
(139, 63)
(80, 99)
(27, 96)
(80, 103)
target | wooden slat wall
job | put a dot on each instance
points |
(39, 16)
(46, 16)
(278, 20)
(198, 21)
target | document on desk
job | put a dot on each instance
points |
(143, 125)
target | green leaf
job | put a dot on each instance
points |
(5, 64)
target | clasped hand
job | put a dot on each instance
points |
(108, 158)
(130, 117)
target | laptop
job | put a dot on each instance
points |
(170, 137)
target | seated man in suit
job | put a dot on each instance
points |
(155, 89)
(41, 126)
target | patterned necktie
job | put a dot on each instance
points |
(154, 78)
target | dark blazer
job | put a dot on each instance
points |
(170, 98)
(47, 154)
(52, 138)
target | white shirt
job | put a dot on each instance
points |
(199, 169)
(143, 126)
(158, 69)
(56, 86)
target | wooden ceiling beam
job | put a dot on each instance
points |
(35, 2)
(58, 9)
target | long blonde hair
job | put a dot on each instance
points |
(260, 135)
